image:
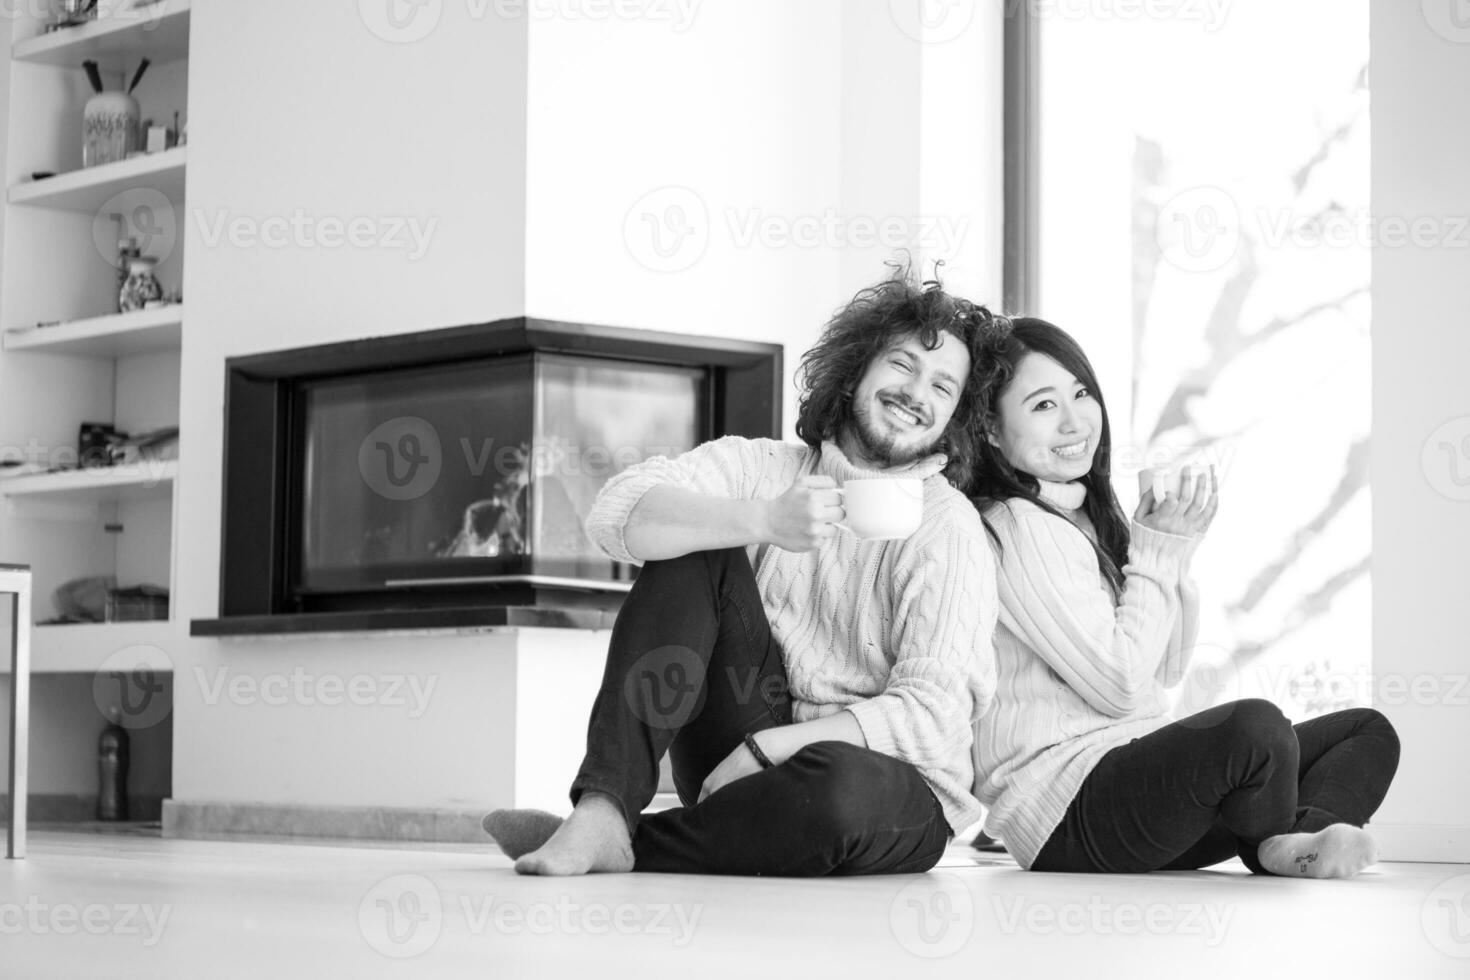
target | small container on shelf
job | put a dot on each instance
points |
(139, 604)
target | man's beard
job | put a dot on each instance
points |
(884, 450)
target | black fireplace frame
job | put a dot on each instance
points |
(745, 380)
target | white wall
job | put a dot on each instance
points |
(1421, 349)
(723, 122)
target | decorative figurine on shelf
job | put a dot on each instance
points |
(127, 251)
(109, 120)
(72, 13)
(112, 770)
(142, 286)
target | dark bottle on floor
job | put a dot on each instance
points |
(112, 771)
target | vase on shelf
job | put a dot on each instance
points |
(109, 128)
(141, 287)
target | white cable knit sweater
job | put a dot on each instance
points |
(897, 632)
(1078, 672)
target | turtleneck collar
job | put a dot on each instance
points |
(834, 463)
(1063, 496)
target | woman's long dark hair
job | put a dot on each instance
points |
(996, 480)
(877, 318)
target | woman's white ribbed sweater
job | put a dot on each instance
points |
(1078, 671)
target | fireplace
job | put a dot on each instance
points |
(443, 477)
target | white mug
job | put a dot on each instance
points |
(883, 508)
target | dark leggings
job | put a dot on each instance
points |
(691, 668)
(1214, 785)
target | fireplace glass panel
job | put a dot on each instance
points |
(477, 470)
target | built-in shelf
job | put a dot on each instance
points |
(87, 647)
(117, 335)
(104, 484)
(157, 31)
(87, 190)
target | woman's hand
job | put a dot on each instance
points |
(1187, 514)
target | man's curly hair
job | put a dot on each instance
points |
(878, 318)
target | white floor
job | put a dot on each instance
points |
(85, 905)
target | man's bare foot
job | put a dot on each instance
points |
(594, 838)
(520, 831)
(1338, 851)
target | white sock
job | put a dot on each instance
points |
(1338, 851)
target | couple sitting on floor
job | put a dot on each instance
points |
(837, 705)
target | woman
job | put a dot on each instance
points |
(1079, 764)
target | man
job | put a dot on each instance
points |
(816, 691)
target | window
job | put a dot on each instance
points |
(1196, 193)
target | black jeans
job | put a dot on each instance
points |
(691, 668)
(1214, 785)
